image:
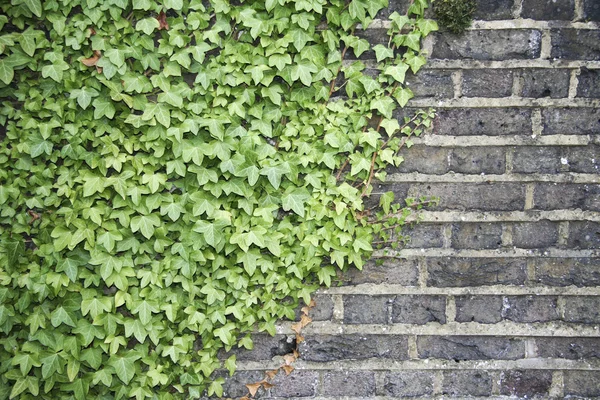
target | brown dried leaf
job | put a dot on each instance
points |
(289, 358)
(93, 60)
(253, 387)
(297, 327)
(162, 21)
(296, 354)
(305, 310)
(288, 369)
(305, 320)
(267, 385)
(299, 338)
(271, 374)
(312, 303)
(245, 398)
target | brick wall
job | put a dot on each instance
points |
(498, 292)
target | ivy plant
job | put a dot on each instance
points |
(176, 174)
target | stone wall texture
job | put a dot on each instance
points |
(498, 293)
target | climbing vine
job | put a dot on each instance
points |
(177, 174)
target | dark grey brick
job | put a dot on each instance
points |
(487, 82)
(568, 271)
(393, 271)
(448, 272)
(424, 236)
(476, 236)
(493, 9)
(531, 308)
(497, 44)
(525, 383)
(431, 84)
(533, 235)
(296, 384)
(545, 82)
(323, 348)
(584, 235)
(363, 309)
(571, 121)
(591, 10)
(235, 386)
(419, 309)
(478, 160)
(589, 83)
(548, 9)
(537, 159)
(575, 44)
(583, 384)
(424, 159)
(483, 121)
(584, 159)
(572, 348)
(482, 309)
(466, 383)
(552, 196)
(265, 347)
(348, 383)
(323, 311)
(582, 309)
(463, 348)
(409, 383)
(399, 6)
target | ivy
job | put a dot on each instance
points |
(176, 175)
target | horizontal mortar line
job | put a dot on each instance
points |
(487, 141)
(427, 364)
(495, 290)
(503, 24)
(503, 102)
(488, 64)
(508, 216)
(494, 253)
(569, 177)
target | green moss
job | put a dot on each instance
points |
(455, 15)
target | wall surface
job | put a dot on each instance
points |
(498, 292)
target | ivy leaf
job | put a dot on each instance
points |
(35, 6)
(398, 72)
(174, 4)
(147, 25)
(303, 71)
(145, 224)
(382, 52)
(50, 365)
(14, 249)
(144, 310)
(103, 108)
(84, 96)
(385, 201)
(294, 200)
(6, 72)
(124, 367)
(402, 96)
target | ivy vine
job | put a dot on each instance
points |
(177, 174)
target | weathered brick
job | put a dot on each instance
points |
(323, 348)
(584, 159)
(487, 82)
(568, 271)
(265, 347)
(323, 311)
(582, 309)
(466, 383)
(583, 384)
(418, 309)
(552, 196)
(448, 272)
(363, 309)
(493, 9)
(498, 44)
(525, 383)
(584, 235)
(399, 6)
(589, 83)
(424, 236)
(545, 82)
(409, 383)
(591, 10)
(531, 308)
(393, 271)
(482, 309)
(533, 235)
(571, 121)
(548, 9)
(431, 84)
(537, 159)
(572, 348)
(463, 348)
(424, 159)
(348, 383)
(235, 386)
(297, 384)
(476, 236)
(483, 121)
(478, 160)
(575, 44)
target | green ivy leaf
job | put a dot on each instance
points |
(145, 224)
(294, 200)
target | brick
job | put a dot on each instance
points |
(463, 348)
(363, 309)
(572, 348)
(525, 383)
(478, 160)
(584, 235)
(534, 235)
(297, 384)
(531, 308)
(589, 83)
(483, 121)
(487, 82)
(548, 9)
(348, 383)
(591, 10)
(418, 309)
(476, 236)
(544, 82)
(571, 121)
(234, 386)
(552, 196)
(409, 383)
(323, 348)
(568, 271)
(481, 309)
(584, 159)
(465, 272)
(424, 236)
(399, 6)
(536, 160)
(424, 159)
(490, 10)
(584, 384)
(392, 271)
(575, 44)
(265, 348)
(466, 383)
(582, 309)
(498, 44)
(323, 311)
(431, 84)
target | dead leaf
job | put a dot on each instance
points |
(305, 320)
(253, 387)
(288, 369)
(92, 31)
(271, 374)
(93, 60)
(296, 354)
(299, 338)
(312, 303)
(245, 398)
(162, 21)
(297, 327)
(305, 310)
(289, 358)
(267, 385)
